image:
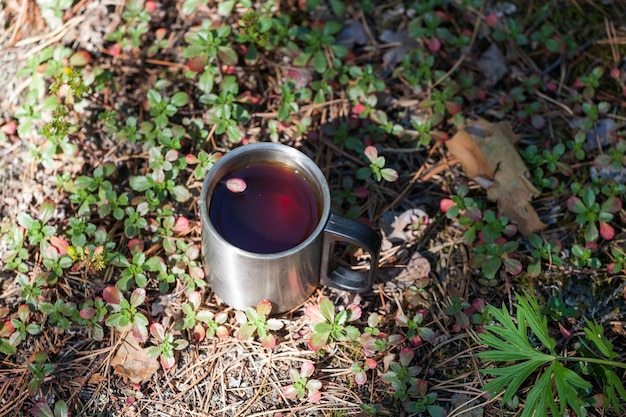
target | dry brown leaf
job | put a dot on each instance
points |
(132, 362)
(486, 151)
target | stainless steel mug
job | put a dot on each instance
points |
(242, 278)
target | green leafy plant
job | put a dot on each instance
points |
(528, 345)
(376, 167)
(490, 257)
(290, 96)
(165, 345)
(40, 369)
(319, 43)
(135, 269)
(256, 321)
(202, 322)
(58, 313)
(125, 314)
(589, 211)
(303, 385)
(42, 409)
(328, 326)
(409, 389)
(543, 251)
(417, 332)
(225, 114)
(37, 230)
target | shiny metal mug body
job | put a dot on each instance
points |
(242, 278)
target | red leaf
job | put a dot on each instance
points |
(445, 204)
(607, 231)
(181, 225)
(112, 295)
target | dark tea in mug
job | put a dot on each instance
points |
(276, 210)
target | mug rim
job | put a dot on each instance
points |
(306, 162)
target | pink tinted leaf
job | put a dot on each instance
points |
(60, 244)
(137, 297)
(360, 377)
(196, 272)
(80, 59)
(402, 319)
(395, 339)
(307, 369)
(355, 312)
(245, 332)
(371, 153)
(51, 252)
(140, 333)
(389, 174)
(167, 361)
(240, 317)
(576, 205)
(290, 392)
(607, 231)
(612, 205)
(157, 331)
(195, 298)
(136, 245)
(314, 314)
(171, 155)
(361, 192)
(264, 307)
(370, 363)
(478, 304)
(181, 225)
(473, 213)
(6, 329)
(221, 332)
(87, 312)
(199, 332)
(268, 341)
(221, 317)
(236, 185)
(406, 356)
(112, 295)
(191, 159)
(445, 204)
(315, 397)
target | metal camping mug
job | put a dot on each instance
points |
(242, 278)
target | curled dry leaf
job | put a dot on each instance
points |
(131, 361)
(487, 150)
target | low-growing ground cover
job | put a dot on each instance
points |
(482, 138)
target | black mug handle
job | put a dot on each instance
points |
(342, 229)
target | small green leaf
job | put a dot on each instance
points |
(180, 193)
(47, 210)
(327, 308)
(141, 183)
(179, 99)
(26, 221)
(319, 62)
